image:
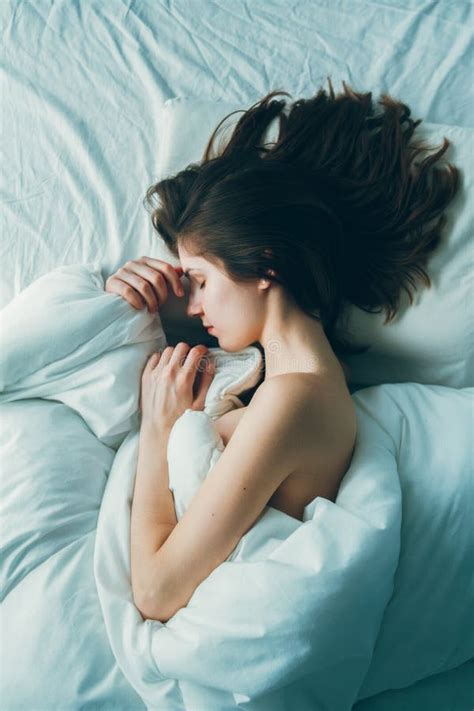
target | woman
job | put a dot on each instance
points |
(276, 239)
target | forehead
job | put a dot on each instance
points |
(191, 262)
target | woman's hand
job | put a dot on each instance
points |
(145, 281)
(173, 381)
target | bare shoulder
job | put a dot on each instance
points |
(269, 394)
(296, 383)
(266, 414)
(283, 407)
(319, 411)
(290, 393)
(305, 388)
(323, 439)
(303, 407)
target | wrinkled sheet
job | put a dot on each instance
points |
(81, 87)
(83, 84)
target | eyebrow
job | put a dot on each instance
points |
(186, 272)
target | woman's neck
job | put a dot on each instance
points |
(297, 344)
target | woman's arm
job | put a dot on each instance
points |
(153, 513)
(231, 498)
(168, 389)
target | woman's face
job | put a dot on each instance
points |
(234, 310)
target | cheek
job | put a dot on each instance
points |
(232, 307)
(216, 304)
(222, 300)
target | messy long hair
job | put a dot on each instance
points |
(338, 206)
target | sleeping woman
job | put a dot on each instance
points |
(276, 239)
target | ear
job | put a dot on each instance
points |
(264, 283)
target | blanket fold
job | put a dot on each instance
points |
(292, 599)
(374, 589)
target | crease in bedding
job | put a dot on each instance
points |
(298, 605)
(100, 99)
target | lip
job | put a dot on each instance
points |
(210, 328)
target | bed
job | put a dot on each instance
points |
(99, 101)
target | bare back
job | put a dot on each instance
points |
(319, 462)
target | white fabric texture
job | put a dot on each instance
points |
(84, 134)
(339, 595)
(296, 604)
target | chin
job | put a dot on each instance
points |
(234, 346)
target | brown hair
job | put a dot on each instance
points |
(337, 206)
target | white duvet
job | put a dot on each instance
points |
(368, 593)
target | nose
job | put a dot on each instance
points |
(193, 307)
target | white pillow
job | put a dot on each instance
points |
(431, 341)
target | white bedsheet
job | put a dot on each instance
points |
(82, 84)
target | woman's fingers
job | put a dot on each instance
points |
(166, 356)
(115, 285)
(171, 274)
(145, 281)
(199, 370)
(191, 364)
(188, 359)
(149, 283)
(206, 376)
(142, 287)
(182, 357)
(153, 360)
